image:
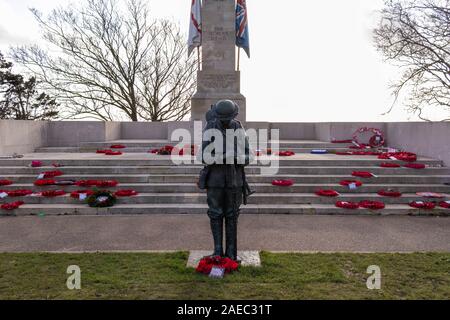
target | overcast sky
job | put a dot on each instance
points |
(314, 62)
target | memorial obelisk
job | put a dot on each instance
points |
(218, 78)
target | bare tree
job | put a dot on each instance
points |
(20, 99)
(415, 35)
(108, 60)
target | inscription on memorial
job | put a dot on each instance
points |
(218, 81)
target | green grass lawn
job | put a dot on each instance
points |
(282, 276)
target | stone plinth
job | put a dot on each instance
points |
(218, 78)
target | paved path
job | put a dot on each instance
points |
(257, 232)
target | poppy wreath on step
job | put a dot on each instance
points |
(5, 182)
(390, 165)
(101, 199)
(286, 153)
(113, 153)
(445, 204)
(117, 146)
(362, 174)
(401, 156)
(422, 205)
(103, 151)
(86, 183)
(347, 205)
(44, 182)
(377, 140)
(36, 163)
(282, 183)
(76, 194)
(53, 193)
(207, 263)
(52, 174)
(390, 193)
(327, 193)
(190, 149)
(125, 193)
(372, 205)
(347, 183)
(19, 193)
(12, 205)
(418, 166)
(65, 182)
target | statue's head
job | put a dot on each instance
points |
(225, 111)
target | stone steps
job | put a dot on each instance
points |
(332, 170)
(170, 188)
(200, 198)
(137, 209)
(258, 187)
(306, 160)
(187, 178)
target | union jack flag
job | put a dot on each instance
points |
(242, 37)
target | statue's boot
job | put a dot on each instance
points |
(217, 232)
(231, 238)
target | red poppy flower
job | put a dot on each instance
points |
(12, 206)
(206, 264)
(53, 193)
(76, 194)
(5, 182)
(327, 193)
(401, 156)
(445, 204)
(36, 163)
(423, 205)
(346, 183)
(18, 193)
(286, 153)
(373, 205)
(113, 153)
(125, 193)
(118, 146)
(282, 183)
(390, 193)
(103, 151)
(362, 174)
(107, 183)
(154, 151)
(52, 174)
(44, 182)
(269, 151)
(347, 205)
(418, 166)
(390, 165)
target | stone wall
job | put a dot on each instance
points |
(424, 138)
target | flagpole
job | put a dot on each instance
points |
(239, 59)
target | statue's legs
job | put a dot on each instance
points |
(233, 201)
(216, 214)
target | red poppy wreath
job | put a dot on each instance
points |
(444, 204)
(12, 206)
(19, 193)
(207, 263)
(422, 205)
(390, 193)
(390, 165)
(282, 183)
(125, 193)
(372, 205)
(417, 166)
(5, 182)
(327, 193)
(347, 205)
(347, 183)
(362, 174)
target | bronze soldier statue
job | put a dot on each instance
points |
(224, 179)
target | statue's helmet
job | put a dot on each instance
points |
(226, 110)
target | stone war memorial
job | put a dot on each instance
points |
(291, 190)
